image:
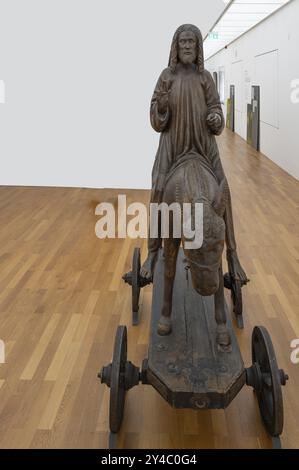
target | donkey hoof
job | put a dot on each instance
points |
(164, 326)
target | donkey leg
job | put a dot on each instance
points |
(171, 248)
(223, 338)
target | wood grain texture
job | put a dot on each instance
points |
(62, 298)
(186, 367)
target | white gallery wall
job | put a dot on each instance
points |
(78, 77)
(268, 56)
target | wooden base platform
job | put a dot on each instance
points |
(186, 367)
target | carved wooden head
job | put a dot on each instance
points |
(175, 52)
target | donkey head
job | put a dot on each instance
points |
(205, 260)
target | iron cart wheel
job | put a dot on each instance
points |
(134, 279)
(117, 385)
(235, 286)
(136, 286)
(266, 379)
(121, 375)
(238, 302)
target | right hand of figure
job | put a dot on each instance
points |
(163, 96)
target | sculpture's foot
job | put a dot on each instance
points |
(164, 326)
(147, 269)
(235, 268)
(223, 339)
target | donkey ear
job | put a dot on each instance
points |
(221, 198)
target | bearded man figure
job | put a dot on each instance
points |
(186, 110)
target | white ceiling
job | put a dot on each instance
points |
(241, 16)
(203, 13)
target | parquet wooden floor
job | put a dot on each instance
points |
(62, 297)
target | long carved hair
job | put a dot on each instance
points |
(173, 58)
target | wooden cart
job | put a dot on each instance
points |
(186, 367)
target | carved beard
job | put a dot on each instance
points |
(187, 59)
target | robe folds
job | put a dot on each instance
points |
(183, 126)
